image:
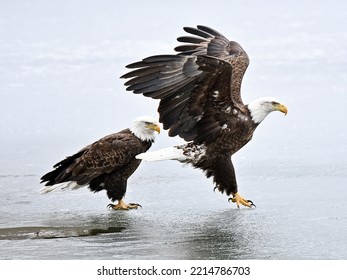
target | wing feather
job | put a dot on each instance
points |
(197, 32)
(209, 30)
(190, 39)
(142, 72)
(168, 91)
(104, 156)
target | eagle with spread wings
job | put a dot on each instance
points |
(200, 101)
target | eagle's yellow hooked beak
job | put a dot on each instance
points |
(154, 127)
(282, 108)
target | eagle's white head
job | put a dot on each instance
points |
(261, 107)
(144, 127)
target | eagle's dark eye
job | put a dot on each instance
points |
(274, 103)
(147, 123)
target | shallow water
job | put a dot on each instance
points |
(60, 90)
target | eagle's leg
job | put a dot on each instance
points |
(238, 199)
(121, 205)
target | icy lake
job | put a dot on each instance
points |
(60, 63)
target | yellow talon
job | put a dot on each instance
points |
(238, 199)
(121, 205)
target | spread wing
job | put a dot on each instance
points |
(210, 42)
(199, 88)
(103, 156)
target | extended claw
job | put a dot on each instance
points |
(251, 202)
(134, 205)
(238, 199)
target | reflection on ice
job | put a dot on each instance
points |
(53, 232)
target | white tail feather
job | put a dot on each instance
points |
(64, 186)
(172, 153)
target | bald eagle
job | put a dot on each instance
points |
(106, 164)
(200, 101)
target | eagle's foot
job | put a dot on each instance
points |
(238, 199)
(121, 205)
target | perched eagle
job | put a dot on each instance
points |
(199, 92)
(106, 164)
